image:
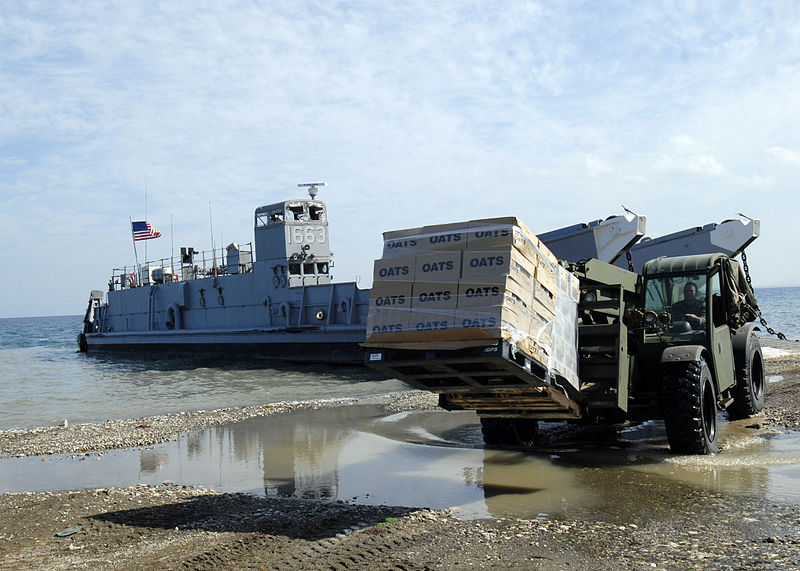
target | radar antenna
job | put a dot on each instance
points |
(312, 187)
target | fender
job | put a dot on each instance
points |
(682, 354)
(739, 343)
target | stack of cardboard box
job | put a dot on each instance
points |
(466, 284)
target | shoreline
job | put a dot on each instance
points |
(171, 526)
(151, 430)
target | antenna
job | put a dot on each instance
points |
(312, 187)
(213, 247)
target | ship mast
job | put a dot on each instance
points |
(312, 188)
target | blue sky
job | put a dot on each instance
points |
(414, 112)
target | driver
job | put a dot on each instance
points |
(690, 309)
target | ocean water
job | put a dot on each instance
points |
(45, 380)
(780, 307)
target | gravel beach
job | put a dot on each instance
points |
(170, 526)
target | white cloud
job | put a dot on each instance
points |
(688, 156)
(758, 182)
(596, 168)
(703, 165)
(785, 156)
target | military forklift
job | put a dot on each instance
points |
(637, 359)
(642, 360)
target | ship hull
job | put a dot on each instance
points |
(341, 346)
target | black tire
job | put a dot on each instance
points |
(748, 394)
(495, 430)
(690, 408)
(509, 431)
(526, 431)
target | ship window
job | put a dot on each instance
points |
(276, 217)
(316, 212)
(308, 268)
(296, 212)
(294, 269)
(322, 268)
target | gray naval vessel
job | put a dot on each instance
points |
(273, 298)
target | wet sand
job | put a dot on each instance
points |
(170, 526)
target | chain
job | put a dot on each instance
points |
(746, 269)
(629, 258)
(763, 321)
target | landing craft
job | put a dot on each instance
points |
(274, 298)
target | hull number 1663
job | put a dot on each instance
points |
(306, 234)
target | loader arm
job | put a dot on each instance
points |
(605, 240)
(730, 237)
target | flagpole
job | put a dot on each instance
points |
(171, 245)
(213, 247)
(135, 253)
(145, 213)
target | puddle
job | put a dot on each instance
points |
(436, 459)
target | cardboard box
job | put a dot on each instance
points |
(427, 321)
(546, 275)
(491, 319)
(443, 267)
(400, 243)
(493, 292)
(544, 296)
(447, 237)
(390, 295)
(400, 269)
(385, 324)
(541, 329)
(436, 296)
(472, 294)
(542, 310)
(479, 265)
(491, 233)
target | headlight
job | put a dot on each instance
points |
(589, 296)
(650, 318)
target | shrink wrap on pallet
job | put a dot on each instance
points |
(467, 284)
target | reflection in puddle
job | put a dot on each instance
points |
(435, 459)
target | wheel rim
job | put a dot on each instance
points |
(758, 379)
(709, 411)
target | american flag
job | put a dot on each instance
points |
(144, 231)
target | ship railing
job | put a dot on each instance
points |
(191, 265)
